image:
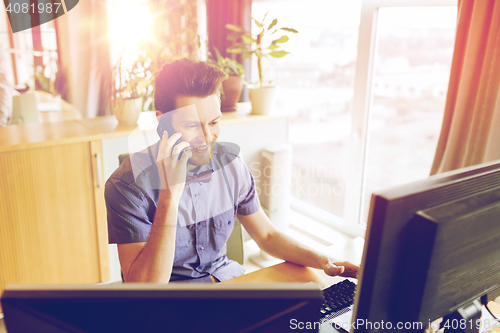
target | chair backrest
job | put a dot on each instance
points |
(235, 241)
(122, 158)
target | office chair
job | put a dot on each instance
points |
(235, 241)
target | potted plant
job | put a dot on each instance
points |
(261, 46)
(129, 87)
(233, 85)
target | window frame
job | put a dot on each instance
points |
(351, 223)
(37, 50)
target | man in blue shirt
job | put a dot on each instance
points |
(172, 207)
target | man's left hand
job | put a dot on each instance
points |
(341, 268)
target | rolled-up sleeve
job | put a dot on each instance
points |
(248, 202)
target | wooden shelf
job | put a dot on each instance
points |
(26, 136)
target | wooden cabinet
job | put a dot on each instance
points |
(52, 214)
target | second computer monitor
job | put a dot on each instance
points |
(386, 299)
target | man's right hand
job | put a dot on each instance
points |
(171, 170)
(152, 261)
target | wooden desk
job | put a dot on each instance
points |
(287, 272)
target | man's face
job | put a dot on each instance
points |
(198, 120)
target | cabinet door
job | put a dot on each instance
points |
(100, 209)
(52, 220)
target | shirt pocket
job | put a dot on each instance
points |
(184, 247)
(223, 226)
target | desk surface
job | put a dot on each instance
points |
(287, 272)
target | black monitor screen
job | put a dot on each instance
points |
(160, 308)
(385, 298)
(454, 251)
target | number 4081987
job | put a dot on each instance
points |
(40, 8)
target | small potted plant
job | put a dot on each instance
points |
(128, 89)
(261, 46)
(233, 85)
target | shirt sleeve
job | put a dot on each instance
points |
(127, 211)
(248, 202)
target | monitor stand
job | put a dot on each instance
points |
(464, 320)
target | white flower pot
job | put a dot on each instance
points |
(262, 99)
(127, 111)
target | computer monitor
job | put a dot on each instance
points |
(176, 307)
(431, 249)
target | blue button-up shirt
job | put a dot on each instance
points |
(207, 210)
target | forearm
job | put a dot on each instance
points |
(154, 262)
(282, 246)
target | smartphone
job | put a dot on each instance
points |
(164, 124)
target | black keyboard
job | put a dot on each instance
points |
(337, 297)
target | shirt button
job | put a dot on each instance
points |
(228, 222)
(202, 248)
(196, 195)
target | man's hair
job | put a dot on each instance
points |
(185, 77)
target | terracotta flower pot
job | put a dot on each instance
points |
(232, 87)
(127, 111)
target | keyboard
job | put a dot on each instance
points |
(336, 298)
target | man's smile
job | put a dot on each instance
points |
(200, 149)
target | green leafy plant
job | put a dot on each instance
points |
(130, 80)
(228, 65)
(260, 44)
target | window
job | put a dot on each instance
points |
(34, 52)
(413, 60)
(365, 98)
(316, 87)
(123, 36)
(161, 30)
